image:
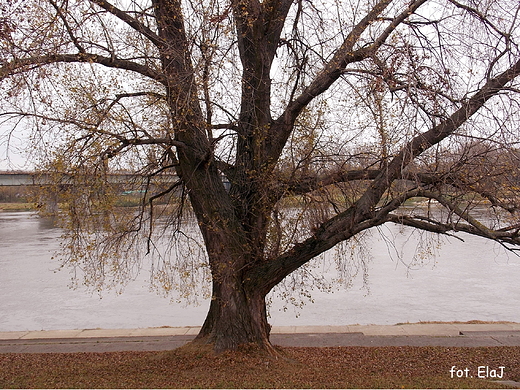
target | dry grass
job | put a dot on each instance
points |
(17, 206)
(341, 367)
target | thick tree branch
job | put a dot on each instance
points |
(463, 214)
(259, 26)
(362, 214)
(304, 185)
(308, 183)
(345, 55)
(435, 135)
(332, 71)
(276, 11)
(24, 64)
(426, 224)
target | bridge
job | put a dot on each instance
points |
(40, 179)
(126, 181)
(18, 179)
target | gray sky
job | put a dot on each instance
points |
(13, 151)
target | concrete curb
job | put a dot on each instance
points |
(418, 329)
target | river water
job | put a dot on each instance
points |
(470, 280)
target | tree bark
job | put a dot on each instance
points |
(237, 316)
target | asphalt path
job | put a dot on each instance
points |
(161, 343)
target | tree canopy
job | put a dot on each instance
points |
(284, 127)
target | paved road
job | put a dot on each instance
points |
(157, 339)
(159, 343)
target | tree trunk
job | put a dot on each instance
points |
(236, 317)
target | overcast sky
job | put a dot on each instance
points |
(13, 153)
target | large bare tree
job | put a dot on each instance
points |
(286, 127)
